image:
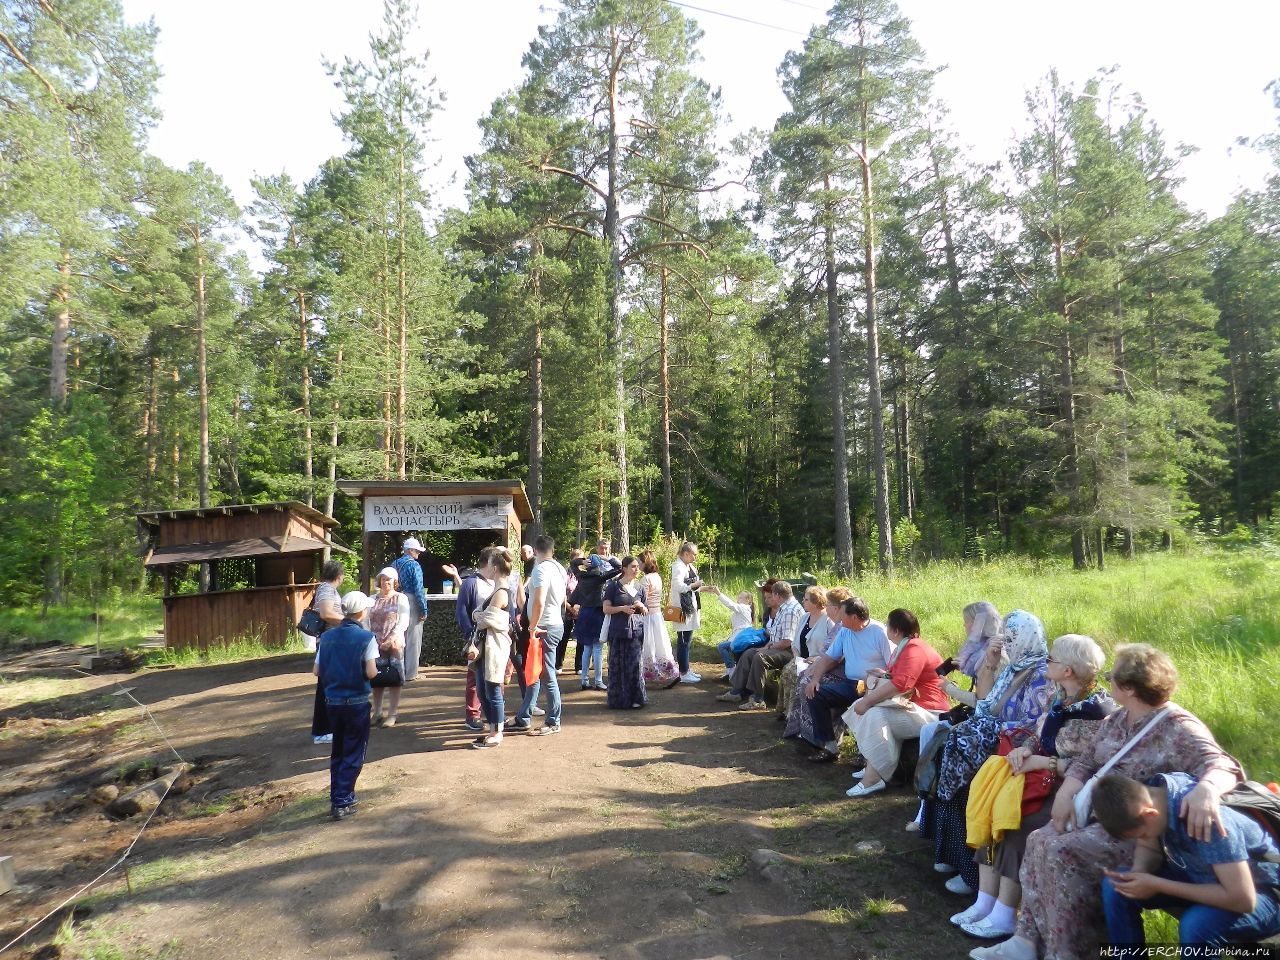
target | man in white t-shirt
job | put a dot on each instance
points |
(546, 623)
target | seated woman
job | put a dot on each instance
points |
(1063, 732)
(1018, 697)
(900, 700)
(810, 641)
(981, 626)
(1065, 861)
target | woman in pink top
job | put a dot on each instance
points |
(899, 701)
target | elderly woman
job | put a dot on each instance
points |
(814, 633)
(1062, 734)
(388, 618)
(900, 700)
(1063, 866)
(1017, 698)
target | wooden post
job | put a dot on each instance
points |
(366, 539)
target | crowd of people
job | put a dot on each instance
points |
(1063, 798)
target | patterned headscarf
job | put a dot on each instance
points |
(984, 620)
(1025, 645)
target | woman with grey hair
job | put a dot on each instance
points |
(1074, 664)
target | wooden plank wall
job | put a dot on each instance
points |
(216, 528)
(211, 619)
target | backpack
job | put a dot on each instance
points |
(1258, 803)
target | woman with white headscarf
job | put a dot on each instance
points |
(388, 619)
(1017, 698)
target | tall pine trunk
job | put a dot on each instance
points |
(402, 328)
(622, 508)
(536, 422)
(308, 452)
(61, 332)
(874, 400)
(839, 443)
(664, 430)
(202, 370)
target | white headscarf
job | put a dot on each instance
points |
(984, 623)
(1025, 645)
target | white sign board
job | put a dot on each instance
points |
(435, 513)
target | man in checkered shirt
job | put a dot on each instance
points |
(747, 681)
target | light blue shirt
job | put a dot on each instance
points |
(861, 650)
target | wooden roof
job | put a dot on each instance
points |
(153, 517)
(252, 547)
(442, 488)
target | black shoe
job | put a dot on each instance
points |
(471, 723)
(342, 813)
(517, 727)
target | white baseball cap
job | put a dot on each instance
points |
(355, 602)
(413, 544)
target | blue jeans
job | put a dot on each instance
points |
(1198, 924)
(595, 653)
(726, 653)
(684, 640)
(549, 645)
(495, 707)
(833, 693)
(350, 722)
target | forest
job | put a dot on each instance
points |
(837, 342)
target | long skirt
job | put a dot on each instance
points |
(788, 687)
(945, 823)
(626, 681)
(1061, 889)
(656, 659)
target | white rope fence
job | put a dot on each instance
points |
(120, 691)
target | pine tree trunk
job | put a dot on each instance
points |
(151, 425)
(664, 378)
(308, 453)
(622, 508)
(402, 327)
(333, 444)
(535, 402)
(840, 443)
(61, 332)
(883, 522)
(175, 457)
(202, 371)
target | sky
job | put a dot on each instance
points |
(243, 87)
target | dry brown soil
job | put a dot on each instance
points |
(627, 836)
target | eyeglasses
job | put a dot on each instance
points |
(1051, 660)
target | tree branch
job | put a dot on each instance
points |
(576, 177)
(640, 251)
(17, 55)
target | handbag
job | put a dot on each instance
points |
(390, 672)
(1083, 801)
(473, 647)
(672, 614)
(1037, 785)
(310, 623)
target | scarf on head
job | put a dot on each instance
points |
(1025, 645)
(984, 621)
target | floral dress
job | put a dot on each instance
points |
(1062, 872)
(387, 619)
(656, 658)
(626, 639)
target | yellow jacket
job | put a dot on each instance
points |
(995, 803)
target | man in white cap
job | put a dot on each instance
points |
(345, 663)
(410, 574)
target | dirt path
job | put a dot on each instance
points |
(630, 835)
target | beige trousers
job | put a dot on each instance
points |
(881, 730)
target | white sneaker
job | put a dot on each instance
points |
(690, 677)
(327, 738)
(984, 929)
(957, 885)
(539, 712)
(967, 916)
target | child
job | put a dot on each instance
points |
(345, 665)
(1223, 890)
(742, 616)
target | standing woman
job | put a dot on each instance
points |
(685, 583)
(329, 605)
(656, 660)
(388, 619)
(491, 665)
(624, 606)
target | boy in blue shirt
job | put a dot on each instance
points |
(345, 665)
(1222, 890)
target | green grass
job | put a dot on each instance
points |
(125, 622)
(1217, 613)
(242, 648)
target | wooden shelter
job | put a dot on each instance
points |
(240, 570)
(454, 520)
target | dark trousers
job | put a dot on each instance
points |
(832, 694)
(684, 640)
(350, 738)
(320, 726)
(473, 696)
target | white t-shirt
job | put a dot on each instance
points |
(549, 574)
